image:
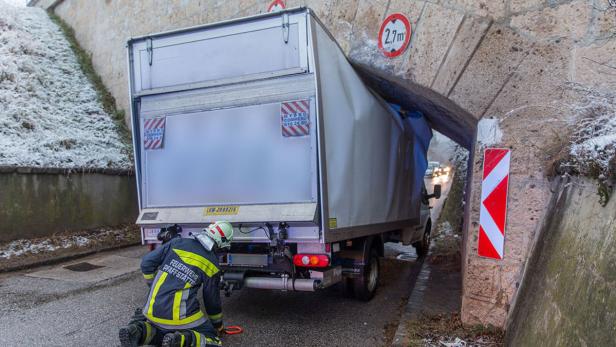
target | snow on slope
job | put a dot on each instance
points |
(594, 139)
(49, 112)
(21, 3)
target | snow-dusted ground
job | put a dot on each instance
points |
(49, 112)
(26, 247)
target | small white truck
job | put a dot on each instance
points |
(263, 122)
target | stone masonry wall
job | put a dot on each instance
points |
(512, 61)
(570, 299)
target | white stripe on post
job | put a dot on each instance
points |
(498, 174)
(492, 230)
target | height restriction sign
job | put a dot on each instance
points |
(395, 35)
(276, 6)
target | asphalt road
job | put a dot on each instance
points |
(51, 312)
(65, 311)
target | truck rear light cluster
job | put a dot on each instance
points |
(311, 260)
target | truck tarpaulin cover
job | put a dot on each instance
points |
(376, 159)
(416, 124)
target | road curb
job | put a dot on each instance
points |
(412, 309)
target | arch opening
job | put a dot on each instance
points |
(444, 115)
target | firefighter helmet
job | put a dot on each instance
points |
(221, 233)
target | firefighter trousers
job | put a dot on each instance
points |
(203, 335)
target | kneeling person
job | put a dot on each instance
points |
(175, 272)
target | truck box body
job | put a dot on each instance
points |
(262, 121)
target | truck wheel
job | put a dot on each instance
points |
(365, 285)
(422, 247)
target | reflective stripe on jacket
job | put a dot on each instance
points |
(183, 266)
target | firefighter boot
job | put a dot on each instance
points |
(130, 335)
(137, 316)
(177, 339)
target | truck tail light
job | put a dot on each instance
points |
(311, 260)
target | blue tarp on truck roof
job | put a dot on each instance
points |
(415, 123)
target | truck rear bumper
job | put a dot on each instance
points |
(284, 283)
(317, 280)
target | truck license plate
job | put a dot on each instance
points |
(251, 260)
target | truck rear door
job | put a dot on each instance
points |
(224, 122)
(221, 54)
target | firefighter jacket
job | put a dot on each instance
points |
(175, 272)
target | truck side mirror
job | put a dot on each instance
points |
(437, 192)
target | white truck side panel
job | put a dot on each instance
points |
(369, 158)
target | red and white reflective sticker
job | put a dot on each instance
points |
(493, 210)
(153, 133)
(295, 118)
(395, 35)
(276, 6)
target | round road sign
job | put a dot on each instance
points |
(395, 35)
(276, 5)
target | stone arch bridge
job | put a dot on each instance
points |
(502, 73)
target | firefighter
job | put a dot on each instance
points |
(175, 272)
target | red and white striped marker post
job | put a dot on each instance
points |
(493, 212)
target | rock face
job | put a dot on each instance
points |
(509, 60)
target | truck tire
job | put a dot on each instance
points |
(365, 285)
(422, 247)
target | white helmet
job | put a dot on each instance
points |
(221, 233)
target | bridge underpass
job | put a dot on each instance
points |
(443, 115)
(503, 69)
